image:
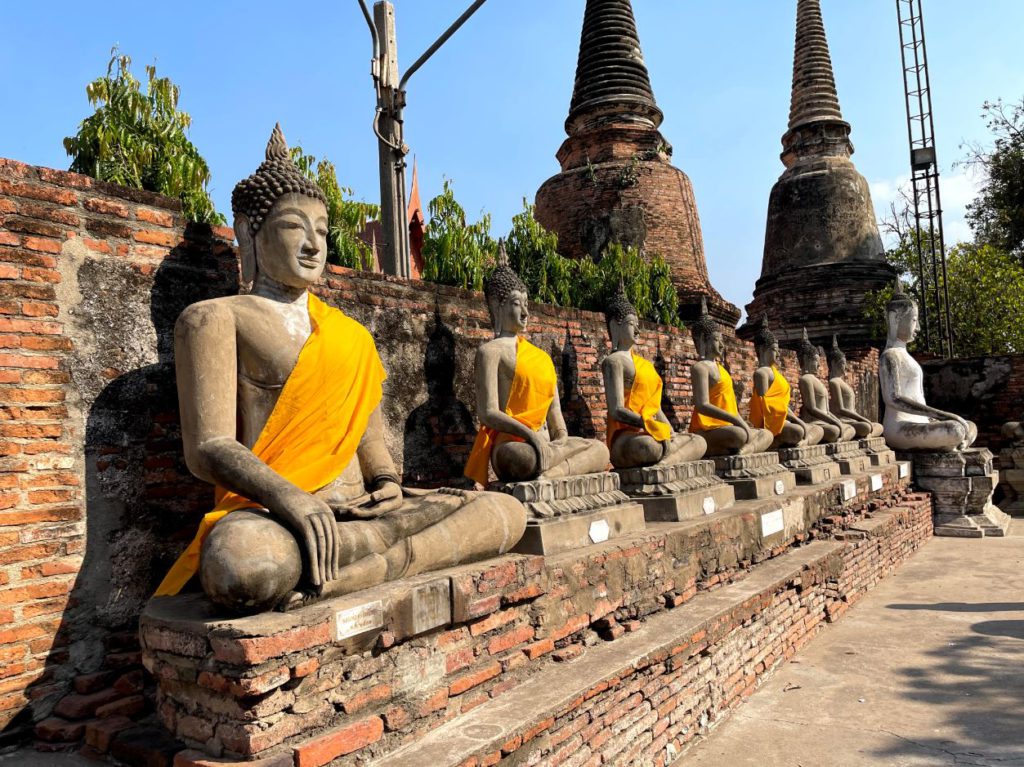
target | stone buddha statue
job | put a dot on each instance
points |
(814, 408)
(1013, 431)
(716, 416)
(842, 399)
(770, 402)
(638, 433)
(910, 423)
(280, 408)
(522, 432)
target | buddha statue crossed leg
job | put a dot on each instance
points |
(842, 401)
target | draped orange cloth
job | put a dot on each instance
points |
(644, 399)
(534, 387)
(316, 425)
(721, 395)
(769, 412)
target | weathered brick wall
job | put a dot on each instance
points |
(96, 502)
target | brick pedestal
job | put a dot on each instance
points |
(877, 451)
(811, 464)
(849, 456)
(674, 493)
(961, 484)
(756, 475)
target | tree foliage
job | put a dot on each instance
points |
(456, 252)
(347, 219)
(141, 139)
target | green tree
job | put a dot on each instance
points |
(140, 140)
(347, 219)
(456, 252)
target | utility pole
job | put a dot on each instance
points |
(388, 126)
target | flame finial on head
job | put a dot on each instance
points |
(835, 354)
(900, 301)
(277, 147)
(804, 346)
(704, 325)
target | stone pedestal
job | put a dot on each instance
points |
(849, 457)
(753, 476)
(811, 464)
(571, 512)
(1011, 480)
(674, 493)
(877, 451)
(961, 484)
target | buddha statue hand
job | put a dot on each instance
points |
(387, 497)
(312, 522)
(542, 451)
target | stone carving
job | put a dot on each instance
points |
(814, 396)
(842, 400)
(769, 404)
(639, 434)
(910, 423)
(280, 408)
(715, 414)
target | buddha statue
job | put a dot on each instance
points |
(910, 423)
(522, 432)
(280, 400)
(769, 404)
(814, 408)
(638, 433)
(1013, 431)
(842, 400)
(715, 414)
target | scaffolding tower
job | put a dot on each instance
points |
(929, 241)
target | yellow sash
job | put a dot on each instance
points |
(644, 399)
(769, 412)
(723, 396)
(316, 425)
(534, 387)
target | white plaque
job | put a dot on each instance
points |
(710, 507)
(876, 481)
(849, 489)
(599, 531)
(904, 469)
(780, 487)
(771, 523)
(358, 620)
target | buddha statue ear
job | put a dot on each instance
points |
(246, 249)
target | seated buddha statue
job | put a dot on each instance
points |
(910, 423)
(814, 408)
(842, 400)
(522, 432)
(770, 402)
(638, 433)
(280, 399)
(716, 416)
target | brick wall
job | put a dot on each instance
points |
(95, 500)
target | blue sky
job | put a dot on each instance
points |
(488, 109)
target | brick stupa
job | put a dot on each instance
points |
(822, 249)
(617, 182)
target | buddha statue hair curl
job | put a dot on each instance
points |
(763, 336)
(253, 197)
(619, 307)
(835, 355)
(703, 326)
(501, 283)
(804, 347)
(900, 301)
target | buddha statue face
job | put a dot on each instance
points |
(510, 314)
(624, 333)
(837, 367)
(710, 346)
(903, 322)
(290, 247)
(768, 354)
(810, 359)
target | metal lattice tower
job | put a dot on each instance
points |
(929, 240)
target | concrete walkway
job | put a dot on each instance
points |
(926, 670)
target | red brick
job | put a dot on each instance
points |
(24, 361)
(473, 679)
(493, 621)
(59, 196)
(33, 274)
(259, 649)
(365, 698)
(7, 238)
(35, 591)
(344, 740)
(305, 668)
(131, 707)
(396, 717)
(537, 649)
(76, 706)
(192, 758)
(41, 244)
(100, 734)
(88, 683)
(510, 639)
(8, 272)
(57, 730)
(459, 659)
(435, 702)
(158, 217)
(108, 207)
(36, 309)
(167, 239)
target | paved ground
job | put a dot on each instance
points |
(928, 669)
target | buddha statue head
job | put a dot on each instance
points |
(280, 221)
(836, 360)
(766, 345)
(506, 296)
(707, 336)
(808, 354)
(623, 321)
(901, 316)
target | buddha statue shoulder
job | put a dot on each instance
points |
(814, 407)
(910, 423)
(770, 401)
(842, 400)
(638, 432)
(716, 416)
(522, 432)
(280, 399)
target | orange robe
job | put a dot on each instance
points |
(722, 395)
(769, 412)
(316, 425)
(644, 399)
(534, 388)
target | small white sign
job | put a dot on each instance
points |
(771, 523)
(876, 482)
(780, 487)
(359, 619)
(849, 489)
(904, 469)
(599, 531)
(710, 507)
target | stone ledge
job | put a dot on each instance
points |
(549, 498)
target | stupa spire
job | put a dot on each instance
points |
(612, 83)
(814, 85)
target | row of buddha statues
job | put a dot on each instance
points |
(280, 400)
